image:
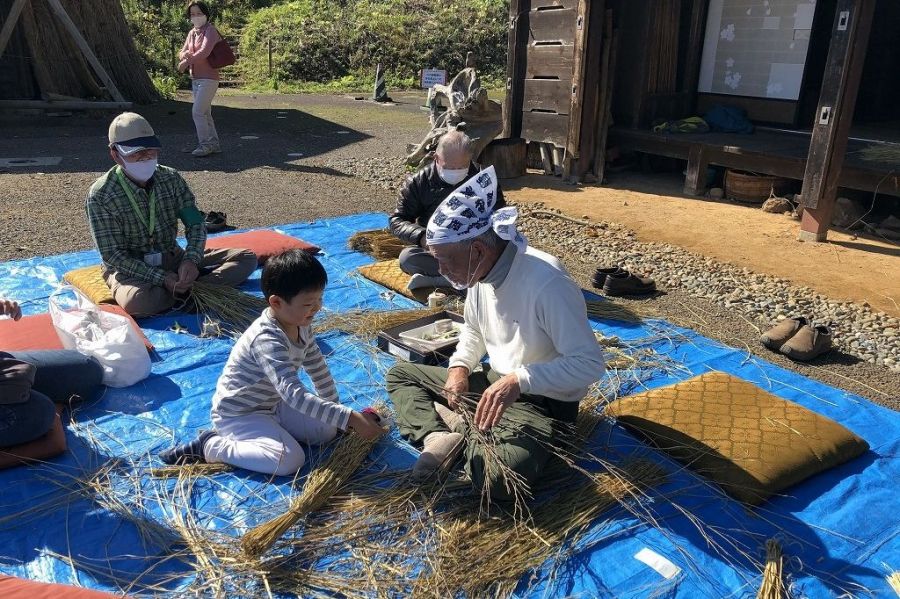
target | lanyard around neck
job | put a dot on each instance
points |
(148, 222)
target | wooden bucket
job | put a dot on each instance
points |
(752, 188)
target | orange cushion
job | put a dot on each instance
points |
(19, 588)
(43, 448)
(265, 243)
(37, 332)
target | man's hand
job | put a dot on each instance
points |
(187, 274)
(365, 425)
(11, 309)
(495, 400)
(171, 282)
(457, 384)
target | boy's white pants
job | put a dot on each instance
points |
(267, 443)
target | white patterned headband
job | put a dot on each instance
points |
(469, 211)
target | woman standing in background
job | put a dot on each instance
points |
(204, 78)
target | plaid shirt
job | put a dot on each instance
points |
(122, 238)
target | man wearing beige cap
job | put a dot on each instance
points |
(133, 211)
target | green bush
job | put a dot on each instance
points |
(332, 44)
(166, 85)
(325, 41)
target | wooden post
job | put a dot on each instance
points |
(691, 74)
(698, 162)
(269, 44)
(517, 45)
(840, 84)
(10, 23)
(604, 113)
(67, 22)
(573, 139)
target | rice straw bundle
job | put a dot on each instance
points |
(187, 470)
(231, 308)
(611, 311)
(320, 485)
(893, 579)
(489, 557)
(368, 323)
(378, 243)
(772, 586)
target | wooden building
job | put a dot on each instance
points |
(817, 78)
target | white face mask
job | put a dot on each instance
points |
(199, 21)
(140, 171)
(470, 276)
(452, 175)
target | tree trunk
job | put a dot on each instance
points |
(60, 67)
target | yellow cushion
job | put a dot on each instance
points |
(388, 274)
(89, 281)
(747, 440)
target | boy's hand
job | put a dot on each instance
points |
(365, 425)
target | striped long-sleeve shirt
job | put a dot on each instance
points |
(262, 370)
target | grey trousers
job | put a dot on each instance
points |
(418, 261)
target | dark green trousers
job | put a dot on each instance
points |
(524, 434)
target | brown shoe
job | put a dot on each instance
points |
(808, 343)
(778, 335)
(626, 283)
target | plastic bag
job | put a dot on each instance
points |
(109, 338)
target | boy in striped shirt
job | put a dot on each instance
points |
(261, 411)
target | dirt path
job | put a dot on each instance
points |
(845, 268)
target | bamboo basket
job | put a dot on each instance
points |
(752, 188)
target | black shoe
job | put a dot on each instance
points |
(625, 283)
(601, 273)
(189, 453)
(215, 221)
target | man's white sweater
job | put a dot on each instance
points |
(532, 322)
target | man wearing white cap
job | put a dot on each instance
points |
(133, 211)
(529, 316)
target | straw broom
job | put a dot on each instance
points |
(773, 582)
(378, 243)
(320, 485)
(231, 308)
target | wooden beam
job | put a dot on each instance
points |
(10, 23)
(573, 139)
(846, 57)
(65, 105)
(604, 109)
(517, 42)
(82, 44)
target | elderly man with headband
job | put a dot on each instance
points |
(529, 317)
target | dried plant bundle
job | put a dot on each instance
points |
(378, 243)
(232, 310)
(772, 586)
(320, 485)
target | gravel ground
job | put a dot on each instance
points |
(696, 294)
(319, 156)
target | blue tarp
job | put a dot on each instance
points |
(839, 529)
